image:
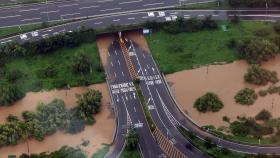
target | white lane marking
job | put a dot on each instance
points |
(92, 6)
(144, 55)
(201, 15)
(31, 19)
(115, 74)
(130, 18)
(119, 62)
(70, 14)
(129, 47)
(98, 23)
(148, 66)
(26, 10)
(68, 5)
(122, 74)
(153, 70)
(186, 15)
(146, 71)
(112, 64)
(174, 13)
(138, 72)
(118, 98)
(116, 20)
(215, 15)
(53, 11)
(153, 4)
(108, 53)
(134, 95)
(148, 101)
(125, 96)
(12, 16)
(145, 17)
(130, 96)
(116, 52)
(104, 10)
(103, 1)
(134, 109)
(130, 2)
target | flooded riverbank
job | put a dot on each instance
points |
(101, 132)
(225, 81)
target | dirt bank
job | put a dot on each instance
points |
(101, 132)
(224, 80)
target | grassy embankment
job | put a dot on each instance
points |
(200, 48)
(61, 60)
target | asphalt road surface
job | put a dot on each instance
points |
(149, 80)
(128, 105)
(48, 11)
(137, 18)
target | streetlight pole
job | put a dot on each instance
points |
(266, 6)
(47, 11)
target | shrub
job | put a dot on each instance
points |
(273, 89)
(64, 152)
(232, 43)
(53, 116)
(132, 139)
(208, 102)
(89, 103)
(259, 76)
(277, 27)
(226, 119)
(81, 64)
(12, 118)
(262, 93)
(9, 94)
(256, 51)
(263, 115)
(238, 128)
(209, 23)
(246, 96)
(14, 75)
(262, 32)
(47, 72)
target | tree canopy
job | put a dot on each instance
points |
(208, 102)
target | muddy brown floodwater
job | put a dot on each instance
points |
(99, 133)
(224, 80)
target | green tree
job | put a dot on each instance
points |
(89, 103)
(263, 115)
(132, 139)
(208, 102)
(9, 94)
(256, 51)
(81, 64)
(259, 76)
(246, 96)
